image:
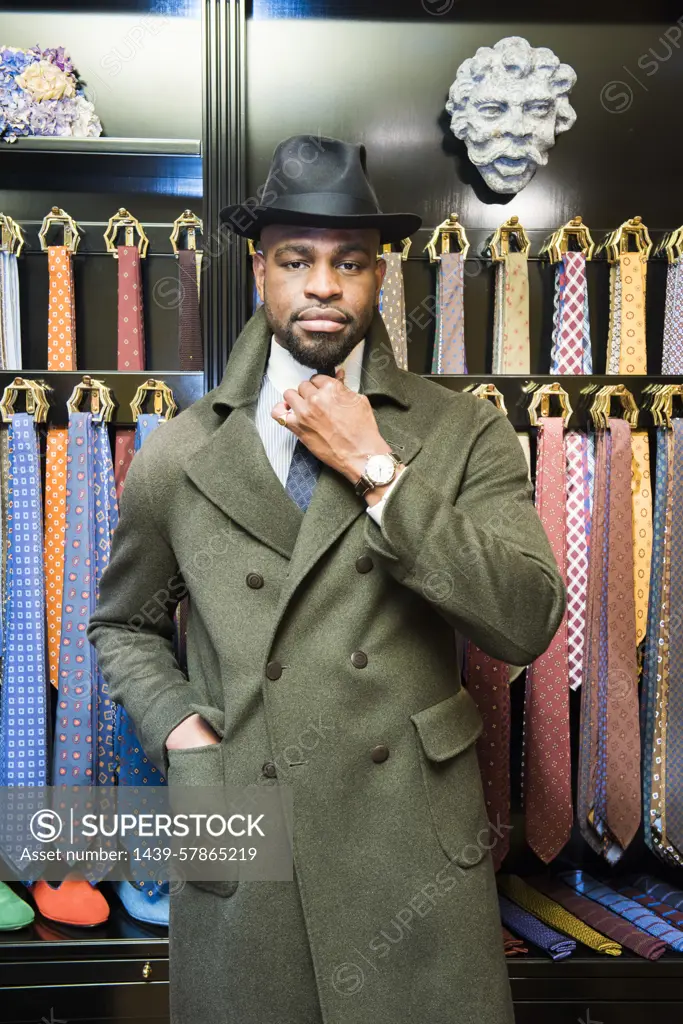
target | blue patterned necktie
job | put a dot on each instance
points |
(133, 766)
(23, 718)
(523, 923)
(304, 470)
(634, 912)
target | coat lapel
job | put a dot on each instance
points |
(232, 468)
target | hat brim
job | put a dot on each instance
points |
(248, 222)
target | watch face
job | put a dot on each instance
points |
(380, 469)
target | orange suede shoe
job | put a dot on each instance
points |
(72, 901)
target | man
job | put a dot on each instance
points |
(329, 598)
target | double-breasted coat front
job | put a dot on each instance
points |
(325, 651)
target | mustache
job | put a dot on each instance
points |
(511, 150)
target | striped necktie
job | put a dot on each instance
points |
(571, 349)
(449, 341)
(530, 928)
(661, 891)
(625, 907)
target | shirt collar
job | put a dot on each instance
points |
(284, 371)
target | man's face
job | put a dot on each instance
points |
(510, 129)
(319, 288)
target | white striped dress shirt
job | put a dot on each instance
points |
(284, 371)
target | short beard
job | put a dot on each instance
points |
(319, 350)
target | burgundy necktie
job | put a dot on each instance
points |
(546, 774)
(190, 351)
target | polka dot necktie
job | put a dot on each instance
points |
(626, 347)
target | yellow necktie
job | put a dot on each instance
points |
(632, 349)
(551, 913)
(511, 352)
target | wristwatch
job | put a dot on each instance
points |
(378, 471)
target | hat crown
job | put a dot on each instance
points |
(309, 164)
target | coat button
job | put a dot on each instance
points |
(364, 563)
(380, 753)
(269, 770)
(254, 580)
(359, 659)
(273, 669)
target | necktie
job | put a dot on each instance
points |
(654, 647)
(133, 766)
(660, 891)
(554, 915)
(76, 725)
(663, 910)
(627, 351)
(55, 524)
(190, 349)
(642, 526)
(449, 342)
(512, 945)
(599, 918)
(392, 307)
(23, 717)
(672, 753)
(61, 323)
(672, 348)
(625, 907)
(303, 475)
(511, 315)
(577, 444)
(530, 928)
(10, 316)
(547, 780)
(106, 517)
(130, 346)
(571, 349)
(488, 682)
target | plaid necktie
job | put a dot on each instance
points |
(625, 907)
(23, 718)
(554, 915)
(449, 340)
(511, 315)
(672, 349)
(547, 776)
(393, 309)
(571, 349)
(530, 928)
(599, 918)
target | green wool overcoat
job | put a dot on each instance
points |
(330, 647)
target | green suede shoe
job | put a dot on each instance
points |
(14, 912)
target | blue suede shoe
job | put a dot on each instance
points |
(150, 909)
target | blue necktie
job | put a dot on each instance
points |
(304, 470)
(660, 890)
(134, 767)
(23, 720)
(23, 712)
(521, 922)
(634, 912)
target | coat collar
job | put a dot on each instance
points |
(233, 470)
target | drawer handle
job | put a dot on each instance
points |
(147, 971)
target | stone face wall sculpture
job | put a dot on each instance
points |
(507, 104)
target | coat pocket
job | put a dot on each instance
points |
(446, 735)
(200, 766)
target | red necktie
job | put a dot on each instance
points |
(131, 346)
(488, 682)
(547, 778)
